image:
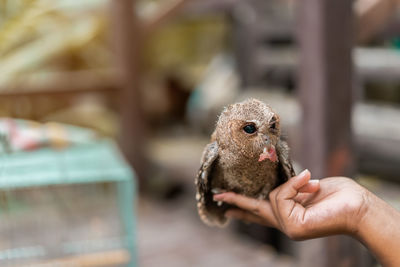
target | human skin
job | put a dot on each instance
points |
(303, 209)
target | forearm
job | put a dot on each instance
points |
(379, 230)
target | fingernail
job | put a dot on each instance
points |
(314, 181)
(303, 173)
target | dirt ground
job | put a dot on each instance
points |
(171, 235)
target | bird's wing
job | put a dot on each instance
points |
(203, 179)
(286, 170)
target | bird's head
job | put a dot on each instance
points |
(250, 128)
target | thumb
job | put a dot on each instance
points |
(282, 202)
(291, 188)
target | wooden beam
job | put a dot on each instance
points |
(126, 37)
(325, 30)
(63, 83)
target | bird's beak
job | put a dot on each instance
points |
(269, 151)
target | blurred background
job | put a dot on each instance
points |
(106, 107)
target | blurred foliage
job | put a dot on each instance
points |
(41, 36)
(45, 36)
(186, 46)
(40, 40)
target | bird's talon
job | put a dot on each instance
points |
(216, 191)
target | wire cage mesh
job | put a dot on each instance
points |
(71, 207)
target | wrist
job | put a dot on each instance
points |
(362, 220)
(358, 222)
(379, 231)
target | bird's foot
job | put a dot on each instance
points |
(216, 191)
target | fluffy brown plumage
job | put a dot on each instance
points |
(246, 155)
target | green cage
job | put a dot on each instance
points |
(69, 207)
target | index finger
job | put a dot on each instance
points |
(261, 208)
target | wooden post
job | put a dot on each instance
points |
(325, 85)
(126, 37)
(245, 42)
(325, 35)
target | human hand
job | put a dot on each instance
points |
(304, 208)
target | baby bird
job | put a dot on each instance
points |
(246, 155)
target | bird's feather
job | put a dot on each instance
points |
(203, 181)
(286, 170)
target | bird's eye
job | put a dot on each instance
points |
(273, 123)
(250, 128)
